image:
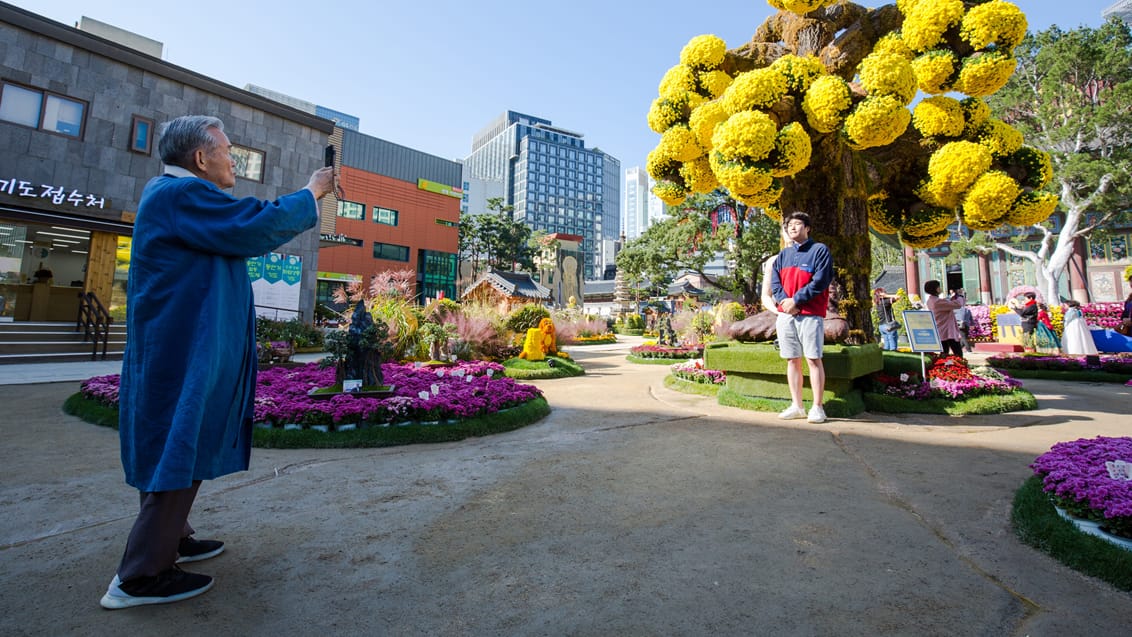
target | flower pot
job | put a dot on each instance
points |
(322, 428)
(346, 426)
(1089, 527)
(292, 426)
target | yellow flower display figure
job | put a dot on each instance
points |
(549, 343)
(670, 192)
(715, 82)
(989, 200)
(935, 71)
(923, 243)
(745, 135)
(704, 120)
(1037, 164)
(801, 7)
(886, 74)
(760, 88)
(1000, 138)
(954, 168)
(532, 345)
(827, 102)
(698, 176)
(678, 79)
(680, 143)
(939, 117)
(704, 52)
(882, 217)
(799, 72)
(877, 121)
(741, 178)
(1030, 208)
(984, 73)
(792, 150)
(997, 23)
(926, 21)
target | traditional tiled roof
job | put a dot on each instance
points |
(513, 284)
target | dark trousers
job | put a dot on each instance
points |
(162, 521)
(953, 346)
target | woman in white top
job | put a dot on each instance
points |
(1076, 339)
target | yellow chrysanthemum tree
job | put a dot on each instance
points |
(815, 114)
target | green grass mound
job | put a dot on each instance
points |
(654, 360)
(1037, 523)
(594, 341)
(505, 420)
(690, 387)
(628, 331)
(523, 369)
(1079, 376)
(838, 407)
(1018, 400)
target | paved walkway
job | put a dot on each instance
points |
(630, 510)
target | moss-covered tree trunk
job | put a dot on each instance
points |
(833, 192)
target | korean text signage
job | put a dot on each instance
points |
(922, 335)
(439, 188)
(275, 281)
(58, 195)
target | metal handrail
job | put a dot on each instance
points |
(94, 320)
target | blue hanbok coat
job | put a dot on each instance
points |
(188, 375)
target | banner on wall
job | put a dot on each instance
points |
(275, 281)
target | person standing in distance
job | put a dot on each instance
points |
(188, 374)
(943, 311)
(799, 283)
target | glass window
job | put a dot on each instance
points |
(386, 216)
(141, 135)
(390, 251)
(20, 105)
(351, 210)
(249, 163)
(64, 116)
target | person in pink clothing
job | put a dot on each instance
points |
(943, 310)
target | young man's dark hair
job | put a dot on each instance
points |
(800, 216)
(932, 287)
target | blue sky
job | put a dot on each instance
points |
(429, 74)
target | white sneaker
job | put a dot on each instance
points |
(793, 412)
(817, 414)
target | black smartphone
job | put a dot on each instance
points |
(328, 159)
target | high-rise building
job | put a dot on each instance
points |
(553, 182)
(637, 184)
(1120, 9)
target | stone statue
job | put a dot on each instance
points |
(363, 359)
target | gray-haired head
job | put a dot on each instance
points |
(181, 137)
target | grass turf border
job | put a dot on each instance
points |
(522, 369)
(1037, 524)
(1077, 376)
(532, 411)
(684, 386)
(1018, 400)
(604, 341)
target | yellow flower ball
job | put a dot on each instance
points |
(877, 121)
(704, 120)
(928, 221)
(660, 163)
(740, 178)
(800, 72)
(698, 175)
(703, 52)
(1031, 207)
(715, 82)
(1000, 138)
(976, 112)
(1037, 165)
(670, 192)
(883, 217)
(939, 117)
(887, 74)
(924, 242)
(984, 73)
(827, 102)
(989, 200)
(935, 71)
(801, 7)
(792, 149)
(997, 23)
(745, 135)
(773, 212)
(926, 22)
(680, 143)
(678, 79)
(764, 198)
(666, 111)
(893, 44)
(760, 88)
(955, 166)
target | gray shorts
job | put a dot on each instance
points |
(800, 335)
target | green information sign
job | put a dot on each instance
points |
(439, 188)
(273, 268)
(255, 268)
(292, 269)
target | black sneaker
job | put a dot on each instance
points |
(193, 550)
(169, 586)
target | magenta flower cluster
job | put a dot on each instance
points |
(421, 393)
(667, 351)
(695, 372)
(1076, 477)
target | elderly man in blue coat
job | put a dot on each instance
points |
(188, 377)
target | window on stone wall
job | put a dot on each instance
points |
(43, 110)
(141, 135)
(249, 162)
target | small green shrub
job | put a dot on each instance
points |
(526, 317)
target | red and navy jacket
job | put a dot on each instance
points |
(803, 272)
